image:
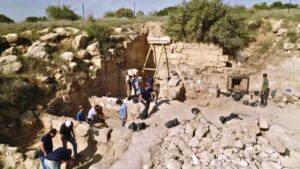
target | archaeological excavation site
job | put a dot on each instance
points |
(198, 85)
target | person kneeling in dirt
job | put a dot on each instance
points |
(55, 158)
(122, 112)
(67, 135)
(145, 98)
(95, 115)
(46, 146)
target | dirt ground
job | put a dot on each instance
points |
(144, 142)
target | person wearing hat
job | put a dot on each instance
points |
(67, 135)
(264, 91)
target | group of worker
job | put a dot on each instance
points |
(52, 159)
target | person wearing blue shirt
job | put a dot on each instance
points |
(80, 116)
(55, 158)
(122, 112)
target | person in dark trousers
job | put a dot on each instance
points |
(264, 91)
(122, 112)
(145, 98)
(129, 85)
(67, 135)
(46, 145)
(136, 85)
(55, 158)
(80, 116)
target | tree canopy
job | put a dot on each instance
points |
(122, 12)
(61, 12)
(5, 19)
(209, 21)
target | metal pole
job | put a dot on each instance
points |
(289, 6)
(133, 10)
(83, 17)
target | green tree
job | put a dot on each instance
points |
(231, 32)
(5, 19)
(101, 33)
(124, 12)
(35, 19)
(209, 21)
(109, 14)
(166, 11)
(61, 12)
(261, 6)
(140, 13)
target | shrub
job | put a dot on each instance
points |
(35, 19)
(293, 36)
(261, 6)
(18, 92)
(99, 32)
(61, 12)
(166, 11)
(140, 13)
(122, 12)
(5, 19)
(209, 21)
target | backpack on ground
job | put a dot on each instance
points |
(141, 126)
(133, 126)
(172, 123)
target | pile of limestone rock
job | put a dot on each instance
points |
(236, 144)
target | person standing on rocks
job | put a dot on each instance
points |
(264, 91)
(122, 112)
(80, 116)
(150, 80)
(57, 157)
(136, 85)
(145, 98)
(129, 85)
(46, 145)
(67, 135)
(93, 116)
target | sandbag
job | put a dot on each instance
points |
(253, 104)
(237, 96)
(141, 126)
(133, 126)
(172, 123)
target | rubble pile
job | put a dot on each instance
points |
(237, 144)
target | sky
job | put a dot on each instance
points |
(18, 10)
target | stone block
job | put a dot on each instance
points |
(82, 129)
(102, 135)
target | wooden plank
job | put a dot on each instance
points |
(159, 40)
(149, 68)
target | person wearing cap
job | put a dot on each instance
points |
(46, 146)
(67, 135)
(122, 111)
(80, 116)
(55, 158)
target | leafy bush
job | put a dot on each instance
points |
(99, 32)
(293, 36)
(61, 12)
(18, 92)
(35, 19)
(5, 19)
(274, 5)
(261, 6)
(122, 12)
(209, 21)
(33, 65)
(140, 13)
(231, 32)
(166, 11)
